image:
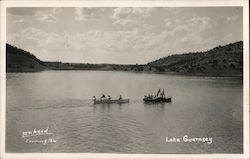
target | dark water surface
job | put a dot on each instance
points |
(61, 101)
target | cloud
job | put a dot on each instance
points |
(127, 16)
(91, 46)
(203, 23)
(129, 35)
(37, 41)
(147, 27)
(126, 22)
(47, 18)
(198, 24)
(39, 14)
(168, 23)
(19, 20)
(232, 18)
(121, 13)
(47, 15)
(122, 16)
(21, 11)
(181, 30)
(103, 46)
(88, 13)
(191, 34)
(28, 33)
(192, 31)
(142, 12)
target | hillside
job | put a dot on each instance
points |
(222, 60)
(18, 60)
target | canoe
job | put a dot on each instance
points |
(157, 100)
(111, 101)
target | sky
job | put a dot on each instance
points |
(125, 35)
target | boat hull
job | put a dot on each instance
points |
(158, 100)
(111, 101)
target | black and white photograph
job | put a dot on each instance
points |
(125, 79)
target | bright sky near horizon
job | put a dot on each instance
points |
(121, 35)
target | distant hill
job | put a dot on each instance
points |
(18, 60)
(222, 60)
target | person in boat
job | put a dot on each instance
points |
(159, 91)
(163, 94)
(120, 98)
(103, 97)
(109, 97)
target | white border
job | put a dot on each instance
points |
(188, 3)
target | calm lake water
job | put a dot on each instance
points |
(61, 101)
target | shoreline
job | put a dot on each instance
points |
(147, 72)
(221, 61)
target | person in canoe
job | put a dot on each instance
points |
(120, 97)
(109, 97)
(159, 91)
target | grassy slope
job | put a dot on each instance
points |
(222, 60)
(18, 60)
